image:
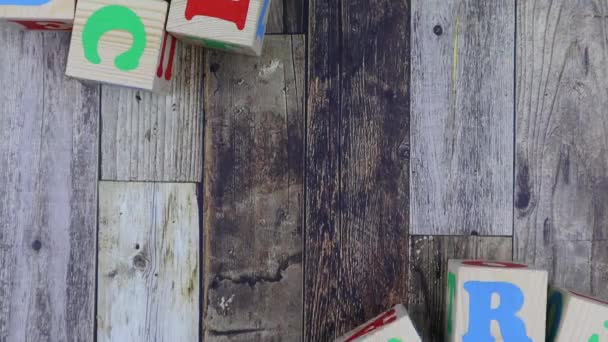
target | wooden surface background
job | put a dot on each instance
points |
(273, 198)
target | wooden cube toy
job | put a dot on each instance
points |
(392, 326)
(38, 14)
(231, 25)
(495, 301)
(572, 316)
(122, 42)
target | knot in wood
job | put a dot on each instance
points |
(438, 30)
(139, 261)
(36, 245)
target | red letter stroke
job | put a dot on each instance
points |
(230, 10)
(384, 319)
(45, 25)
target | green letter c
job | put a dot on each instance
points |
(110, 18)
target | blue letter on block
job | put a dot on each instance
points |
(24, 2)
(481, 313)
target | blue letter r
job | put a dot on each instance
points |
(481, 313)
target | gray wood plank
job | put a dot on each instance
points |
(599, 269)
(561, 178)
(148, 276)
(287, 16)
(48, 201)
(428, 269)
(149, 137)
(462, 117)
(254, 193)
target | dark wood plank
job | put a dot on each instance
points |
(357, 163)
(462, 117)
(150, 137)
(48, 202)
(148, 274)
(428, 269)
(287, 16)
(561, 179)
(254, 193)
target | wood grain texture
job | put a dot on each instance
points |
(48, 202)
(254, 193)
(148, 137)
(561, 179)
(428, 274)
(462, 117)
(148, 276)
(356, 164)
(287, 16)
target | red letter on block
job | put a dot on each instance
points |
(45, 25)
(230, 10)
(168, 71)
(386, 318)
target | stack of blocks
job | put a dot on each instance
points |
(392, 326)
(495, 301)
(133, 42)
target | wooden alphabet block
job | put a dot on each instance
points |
(392, 326)
(231, 25)
(572, 316)
(495, 301)
(122, 42)
(57, 15)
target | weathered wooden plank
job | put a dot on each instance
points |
(254, 193)
(148, 276)
(357, 163)
(287, 16)
(150, 137)
(428, 269)
(561, 179)
(599, 268)
(48, 201)
(462, 117)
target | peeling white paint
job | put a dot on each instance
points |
(270, 69)
(225, 303)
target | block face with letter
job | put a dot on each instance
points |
(55, 15)
(393, 325)
(495, 301)
(122, 42)
(231, 25)
(573, 316)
